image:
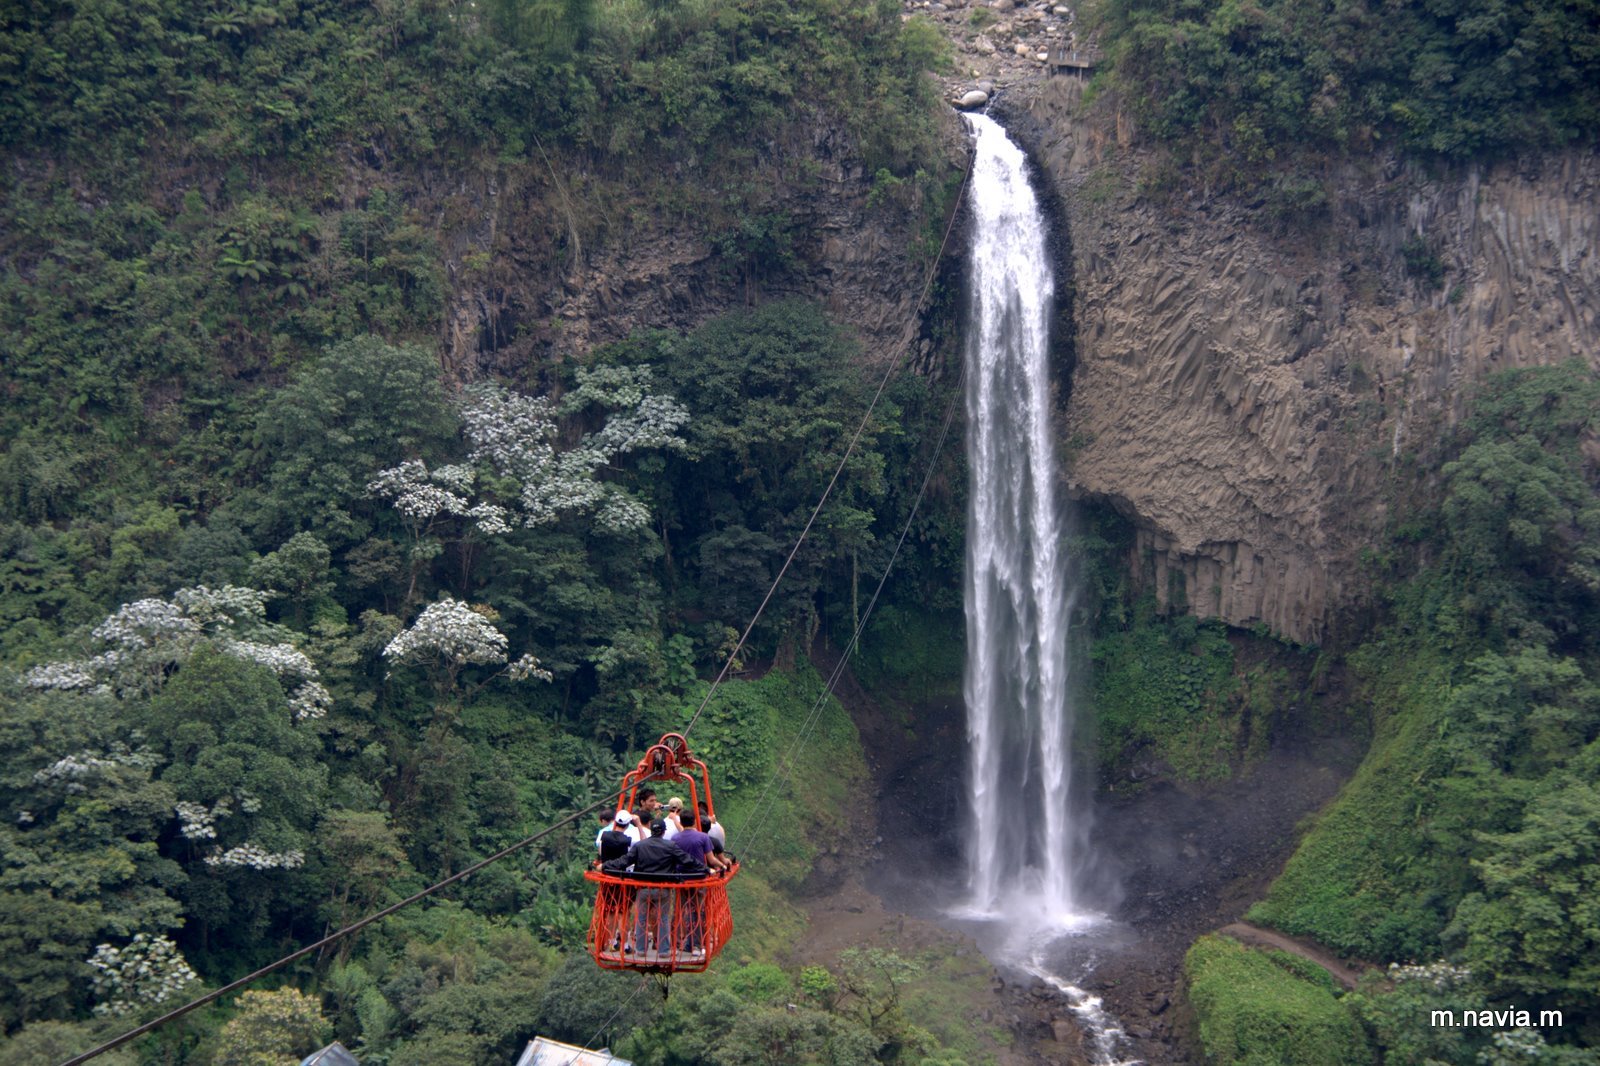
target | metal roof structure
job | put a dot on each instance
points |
(542, 1051)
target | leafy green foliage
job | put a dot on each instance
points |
(1396, 1004)
(746, 1016)
(1393, 1011)
(1533, 928)
(917, 654)
(207, 332)
(1469, 831)
(752, 731)
(60, 1041)
(219, 321)
(196, 799)
(1253, 89)
(1169, 686)
(363, 406)
(80, 861)
(182, 227)
(581, 1000)
(270, 1027)
(1261, 1007)
(775, 396)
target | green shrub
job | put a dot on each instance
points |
(1258, 1008)
(785, 766)
(917, 654)
(1167, 686)
(1248, 88)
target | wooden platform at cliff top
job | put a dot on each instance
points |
(1080, 61)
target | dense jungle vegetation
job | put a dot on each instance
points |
(1268, 94)
(294, 624)
(1465, 852)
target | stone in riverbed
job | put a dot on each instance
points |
(983, 46)
(1022, 49)
(972, 99)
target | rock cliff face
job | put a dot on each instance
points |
(583, 263)
(1245, 396)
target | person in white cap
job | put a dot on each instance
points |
(617, 838)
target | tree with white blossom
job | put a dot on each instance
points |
(514, 438)
(449, 636)
(146, 971)
(140, 645)
(192, 693)
(425, 498)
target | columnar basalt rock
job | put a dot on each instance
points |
(1245, 393)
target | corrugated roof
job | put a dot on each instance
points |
(542, 1051)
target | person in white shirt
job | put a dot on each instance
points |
(672, 814)
(712, 828)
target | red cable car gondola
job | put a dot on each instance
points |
(653, 923)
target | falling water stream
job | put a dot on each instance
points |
(1025, 843)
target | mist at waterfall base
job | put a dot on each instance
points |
(1030, 901)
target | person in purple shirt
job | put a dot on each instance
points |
(703, 848)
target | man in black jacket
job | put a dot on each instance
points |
(615, 841)
(652, 908)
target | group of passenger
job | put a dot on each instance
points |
(662, 838)
(662, 842)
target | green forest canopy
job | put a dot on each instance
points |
(1243, 83)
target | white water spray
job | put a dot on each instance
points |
(1023, 844)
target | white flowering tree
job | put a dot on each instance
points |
(81, 811)
(514, 438)
(425, 499)
(171, 671)
(449, 636)
(526, 466)
(146, 971)
(141, 644)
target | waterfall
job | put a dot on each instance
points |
(1022, 842)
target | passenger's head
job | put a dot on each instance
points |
(658, 827)
(675, 804)
(622, 820)
(647, 800)
(687, 820)
(705, 817)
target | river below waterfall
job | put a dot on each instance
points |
(1188, 858)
